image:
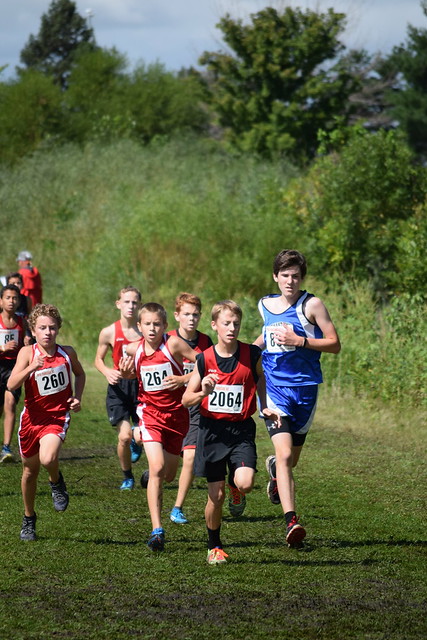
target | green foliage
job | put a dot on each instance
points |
(63, 32)
(96, 103)
(161, 102)
(358, 205)
(185, 215)
(409, 103)
(379, 344)
(158, 216)
(30, 112)
(275, 91)
(104, 101)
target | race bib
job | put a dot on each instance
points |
(52, 380)
(271, 345)
(188, 367)
(152, 377)
(226, 398)
(7, 335)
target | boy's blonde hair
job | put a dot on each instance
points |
(187, 298)
(44, 310)
(226, 304)
(153, 307)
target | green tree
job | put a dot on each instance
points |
(30, 111)
(162, 102)
(62, 33)
(278, 87)
(96, 102)
(409, 98)
(360, 211)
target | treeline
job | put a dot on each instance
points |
(285, 78)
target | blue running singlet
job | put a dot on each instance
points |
(287, 366)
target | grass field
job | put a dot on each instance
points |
(361, 490)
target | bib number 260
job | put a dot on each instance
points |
(52, 380)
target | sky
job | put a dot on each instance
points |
(176, 32)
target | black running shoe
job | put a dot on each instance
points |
(272, 490)
(59, 494)
(28, 529)
(144, 479)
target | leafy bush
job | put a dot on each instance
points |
(356, 207)
(30, 112)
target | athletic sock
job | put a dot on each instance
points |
(128, 474)
(214, 539)
(288, 517)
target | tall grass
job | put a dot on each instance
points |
(184, 215)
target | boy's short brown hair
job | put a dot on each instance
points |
(153, 307)
(127, 289)
(44, 310)
(226, 304)
(187, 298)
(289, 258)
(14, 274)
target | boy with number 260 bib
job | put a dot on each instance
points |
(46, 370)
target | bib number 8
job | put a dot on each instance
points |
(271, 344)
(8, 336)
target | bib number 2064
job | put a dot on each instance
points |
(226, 398)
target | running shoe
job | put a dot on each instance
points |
(216, 556)
(272, 490)
(28, 529)
(127, 484)
(6, 454)
(59, 494)
(236, 501)
(295, 533)
(135, 451)
(156, 541)
(144, 479)
(177, 516)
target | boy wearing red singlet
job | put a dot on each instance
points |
(122, 395)
(224, 383)
(12, 332)
(188, 310)
(163, 421)
(46, 370)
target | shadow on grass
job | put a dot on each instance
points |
(266, 518)
(80, 455)
(296, 562)
(348, 544)
(110, 541)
